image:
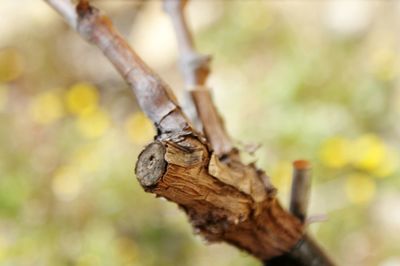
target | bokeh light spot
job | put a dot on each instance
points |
(368, 152)
(46, 108)
(82, 98)
(66, 184)
(89, 260)
(389, 165)
(127, 250)
(3, 97)
(360, 188)
(139, 128)
(384, 64)
(335, 152)
(94, 124)
(281, 175)
(11, 64)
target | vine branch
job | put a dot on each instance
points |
(225, 199)
(153, 94)
(195, 68)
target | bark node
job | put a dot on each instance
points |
(247, 215)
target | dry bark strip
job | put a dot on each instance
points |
(224, 199)
(243, 212)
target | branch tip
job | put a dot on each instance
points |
(83, 7)
(301, 165)
(301, 186)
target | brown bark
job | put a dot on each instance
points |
(242, 211)
(224, 199)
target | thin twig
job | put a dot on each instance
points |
(301, 184)
(195, 68)
(153, 94)
(66, 9)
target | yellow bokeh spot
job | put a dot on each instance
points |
(384, 64)
(89, 260)
(46, 108)
(93, 124)
(360, 188)
(82, 98)
(127, 250)
(335, 152)
(368, 152)
(87, 158)
(389, 164)
(11, 64)
(139, 128)
(281, 175)
(3, 247)
(3, 97)
(66, 184)
(254, 18)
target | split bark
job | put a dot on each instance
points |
(224, 199)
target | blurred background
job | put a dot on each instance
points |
(304, 79)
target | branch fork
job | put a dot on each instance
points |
(225, 199)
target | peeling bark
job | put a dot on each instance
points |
(225, 201)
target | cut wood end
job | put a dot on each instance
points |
(83, 7)
(301, 165)
(151, 164)
(301, 185)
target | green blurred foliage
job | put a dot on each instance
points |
(70, 132)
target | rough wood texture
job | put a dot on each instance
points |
(243, 213)
(225, 199)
